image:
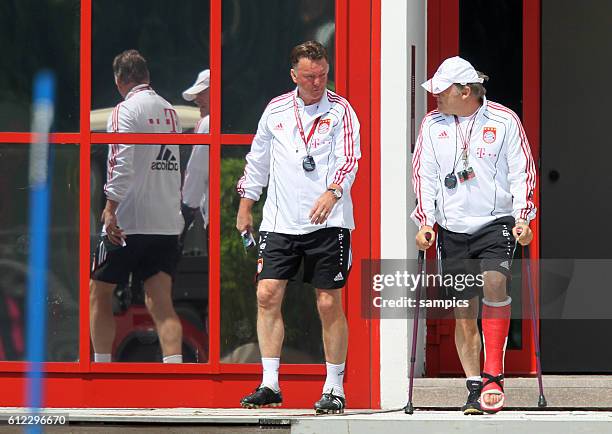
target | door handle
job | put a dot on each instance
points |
(554, 175)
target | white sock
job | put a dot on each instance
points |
(175, 358)
(475, 378)
(270, 372)
(102, 358)
(334, 379)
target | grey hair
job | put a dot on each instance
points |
(477, 89)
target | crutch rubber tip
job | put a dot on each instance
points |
(542, 402)
(409, 409)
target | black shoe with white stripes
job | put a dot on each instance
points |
(330, 404)
(472, 406)
(262, 397)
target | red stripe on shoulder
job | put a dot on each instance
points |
(280, 98)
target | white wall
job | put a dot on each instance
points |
(403, 25)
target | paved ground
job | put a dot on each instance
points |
(110, 429)
(279, 421)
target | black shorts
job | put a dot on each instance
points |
(146, 255)
(326, 254)
(491, 248)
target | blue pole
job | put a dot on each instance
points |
(42, 118)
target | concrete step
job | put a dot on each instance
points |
(561, 391)
(302, 421)
(442, 422)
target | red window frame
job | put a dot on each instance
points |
(443, 42)
(86, 384)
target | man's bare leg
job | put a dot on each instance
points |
(158, 299)
(270, 325)
(467, 338)
(270, 328)
(335, 338)
(101, 320)
(334, 324)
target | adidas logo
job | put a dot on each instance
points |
(279, 126)
(165, 160)
(443, 135)
(338, 277)
(505, 265)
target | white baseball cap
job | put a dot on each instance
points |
(201, 83)
(452, 70)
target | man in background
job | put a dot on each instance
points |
(142, 217)
(195, 188)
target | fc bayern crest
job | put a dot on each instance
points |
(489, 134)
(324, 125)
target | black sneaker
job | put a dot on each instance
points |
(330, 404)
(472, 406)
(262, 397)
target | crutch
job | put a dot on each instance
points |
(409, 409)
(534, 323)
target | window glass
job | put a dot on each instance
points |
(35, 35)
(136, 338)
(302, 342)
(63, 267)
(257, 39)
(172, 36)
(490, 35)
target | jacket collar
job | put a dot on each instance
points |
(479, 113)
(324, 103)
(137, 89)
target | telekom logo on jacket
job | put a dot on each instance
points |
(170, 118)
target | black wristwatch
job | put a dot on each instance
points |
(336, 192)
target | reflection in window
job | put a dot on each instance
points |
(238, 301)
(172, 36)
(63, 273)
(257, 39)
(35, 35)
(136, 339)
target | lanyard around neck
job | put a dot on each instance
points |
(465, 139)
(298, 121)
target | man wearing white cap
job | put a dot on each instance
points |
(195, 187)
(474, 175)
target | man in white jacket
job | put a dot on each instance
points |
(306, 151)
(474, 175)
(142, 217)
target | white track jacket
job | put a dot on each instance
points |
(276, 159)
(501, 158)
(195, 187)
(145, 179)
